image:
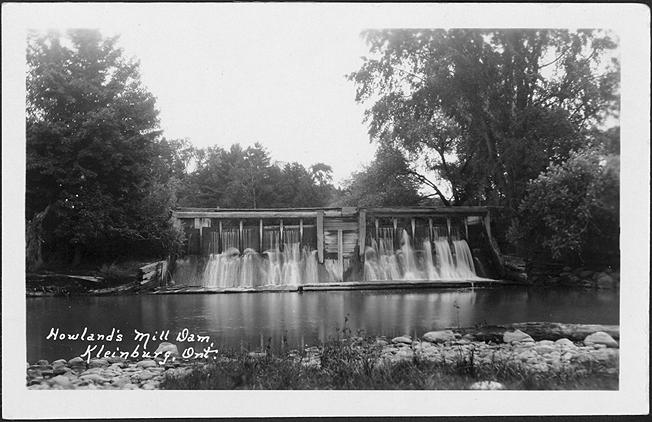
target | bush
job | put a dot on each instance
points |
(571, 211)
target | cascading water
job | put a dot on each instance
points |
(230, 269)
(383, 263)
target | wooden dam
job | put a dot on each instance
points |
(302, 249)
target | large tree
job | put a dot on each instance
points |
(96, 172)
(487, 110)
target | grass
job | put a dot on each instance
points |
(352, 364)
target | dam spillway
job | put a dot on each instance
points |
(230, 249)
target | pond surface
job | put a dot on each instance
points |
(247, 320)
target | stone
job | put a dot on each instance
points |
(96, 378)
(61, 380)
(516, 337)
(42, 362)
(402, 339)
(149, 386)
(487, 385)
(439, 336)
(59, 362)
(600, 337)
(144, 375)
(543, 348)
(115, 359)
(98, 363)
(564, 342)
(147, 363)
(605, 281)
(167, 347)
(60, 370)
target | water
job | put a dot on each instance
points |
(236, 320)
(383, 263)
(294, 264)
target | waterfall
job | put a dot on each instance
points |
(230, 269)
(406, 263)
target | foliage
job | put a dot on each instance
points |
(387, 181)
(572, 210)
(247, 178)
(351, 364)
(94, 155)
(487, 110)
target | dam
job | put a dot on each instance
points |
(230, 250)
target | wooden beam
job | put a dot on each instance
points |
(430, 234)
(301, 232)
(320, 236)
(219, 243)
(340, 254)
(448, 228)
(260, 237)
(362, 231)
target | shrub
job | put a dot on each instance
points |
(571, 211)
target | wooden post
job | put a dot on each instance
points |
(396, 239)
(430, 233)
(340, 254)
(320, 236)
(413, 223)
(362, 223)
(241, 238)
(466, 228)
(300, 231)
(448, 227)
(280, 237)
(219, 244)
(377, 224)
(260, 244)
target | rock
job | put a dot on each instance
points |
(149, 386)
(517, 336)
(115, 359)
(564, 342)
(60, 370)
(144, 375)
(381, 342)
(76, 363)
(167, 347)
(605, 281)
(544, 348)
(439, 336)
(586, 274)
(487, 385)
(147, 363)
(59, 362)
(61, 380)
(402, 339)
(98, 363)
(42, 362)
(600, 337)
(96, 378)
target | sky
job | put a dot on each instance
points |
(224, 75)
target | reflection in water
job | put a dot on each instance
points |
(242, 319)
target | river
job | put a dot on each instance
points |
(294, 319)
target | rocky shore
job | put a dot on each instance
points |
(506, 348)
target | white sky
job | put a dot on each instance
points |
(231, 74)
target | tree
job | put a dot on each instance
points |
(571, 210)
(93, 153)
(387, 181)
(488, 110)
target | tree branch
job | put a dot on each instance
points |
(423, 179)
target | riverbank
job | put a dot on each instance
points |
(448, 359)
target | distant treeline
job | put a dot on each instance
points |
(514, 119)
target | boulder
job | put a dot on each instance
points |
(487, 385)
(600, 337)
(439, 336)
(61, 380)
(167, 347)
(516, 337)
(42, 362)
(147, 363)
(98, 363)
(564, 342)
(605, 281)
(76, 362)
(402, 339)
